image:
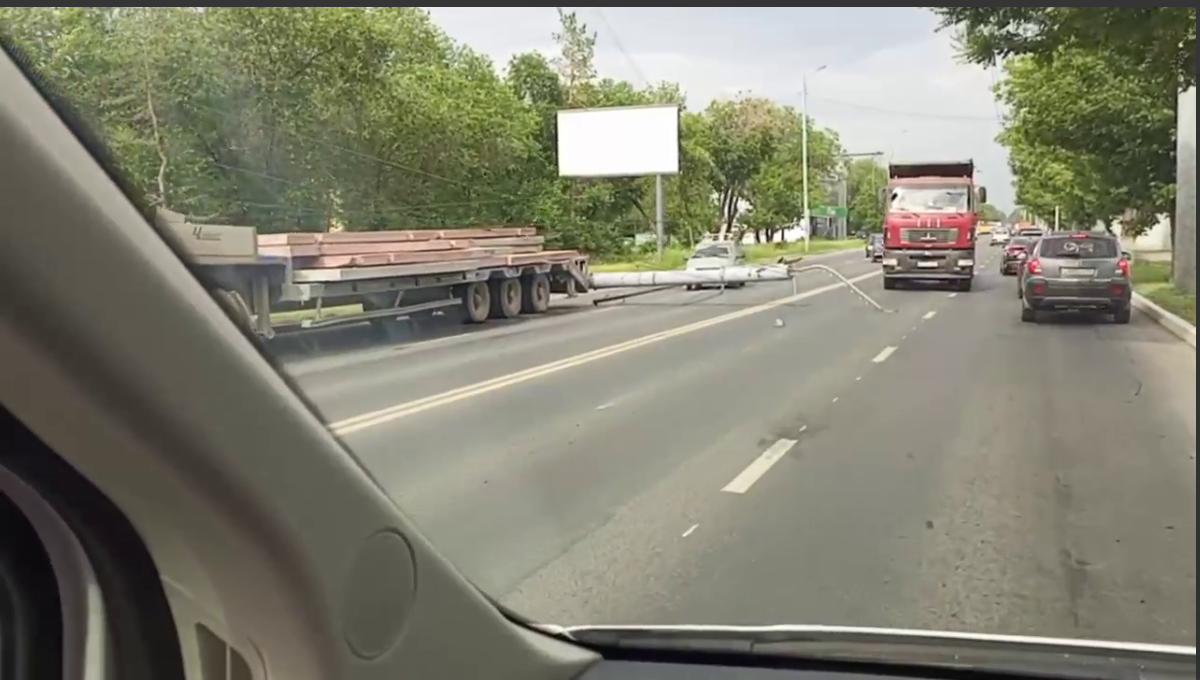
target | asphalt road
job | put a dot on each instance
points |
(757, 456)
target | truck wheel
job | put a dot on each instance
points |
(535, 294)
(506, 298)
(889, 283)
(1028, 314)
(965, 285)
(476, 301)
(1122, 315)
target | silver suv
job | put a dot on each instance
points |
(1075, 271)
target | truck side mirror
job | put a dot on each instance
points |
(883, 195)
(983, 194)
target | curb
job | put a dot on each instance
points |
(1177, 326)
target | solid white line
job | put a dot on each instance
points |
(374, 418)
(755, 470)
(689, 531)
(929, 315)
(952, 295)
(883, 355)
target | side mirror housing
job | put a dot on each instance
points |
(1126, 255)
(983, 195)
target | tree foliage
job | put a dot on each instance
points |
(1091, 94)
(368, 118)
(1155, 39)
(1086, 134)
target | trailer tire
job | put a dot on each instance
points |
(535, 294)
(476, 302)
(889, 283)
(506, 298)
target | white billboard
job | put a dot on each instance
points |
(619, 141)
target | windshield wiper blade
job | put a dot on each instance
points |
(1048, 657)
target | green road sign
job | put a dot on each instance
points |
(829, 211)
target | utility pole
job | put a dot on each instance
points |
(804, 155)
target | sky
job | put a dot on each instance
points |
(890, 83)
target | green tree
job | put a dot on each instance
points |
(1088, 135)
(372, 118)
(864, 178)
(1155, 39)
(990, 213)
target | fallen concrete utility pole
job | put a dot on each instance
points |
(707, 277)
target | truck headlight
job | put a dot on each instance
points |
(890, 262)
(966, 263)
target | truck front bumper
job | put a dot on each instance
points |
(932, 265)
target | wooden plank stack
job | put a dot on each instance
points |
(496, 246)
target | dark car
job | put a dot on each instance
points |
(1076, 271)
(1014, 250)
(873, 250)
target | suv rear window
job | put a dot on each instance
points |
(1079, 246)
(712, 251)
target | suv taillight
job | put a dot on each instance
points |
(1035, 266)
(1123, 267)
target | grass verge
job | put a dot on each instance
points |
(1153, 280)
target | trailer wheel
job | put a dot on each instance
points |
(889, 283)
(235, 305)
(535, 294)
(476, 301)
(506, 298)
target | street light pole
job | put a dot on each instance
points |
(804, 155)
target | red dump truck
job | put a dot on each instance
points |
(931, 216)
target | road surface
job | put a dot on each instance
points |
(759, 456)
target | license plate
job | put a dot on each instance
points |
(1078, 273)
(928, 265)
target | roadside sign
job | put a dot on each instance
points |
(829, 211)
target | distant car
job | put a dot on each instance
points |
(1076, 271)
(716, 255)
(999, 237)
(873, 250)
(1010, 261)
(1031, 232)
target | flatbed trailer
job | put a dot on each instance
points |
(253, 285)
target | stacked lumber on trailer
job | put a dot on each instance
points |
(498, 246)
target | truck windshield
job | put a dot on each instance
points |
(931, 199)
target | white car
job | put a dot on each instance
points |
(1000, 237)
(716, 255)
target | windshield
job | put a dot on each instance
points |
(713, 251)
(465, 234)
(930, 199)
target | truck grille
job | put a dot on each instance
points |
(929, 235)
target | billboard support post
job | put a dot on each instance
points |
(658, 213)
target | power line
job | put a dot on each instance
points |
(904, 114)
(621, 48)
